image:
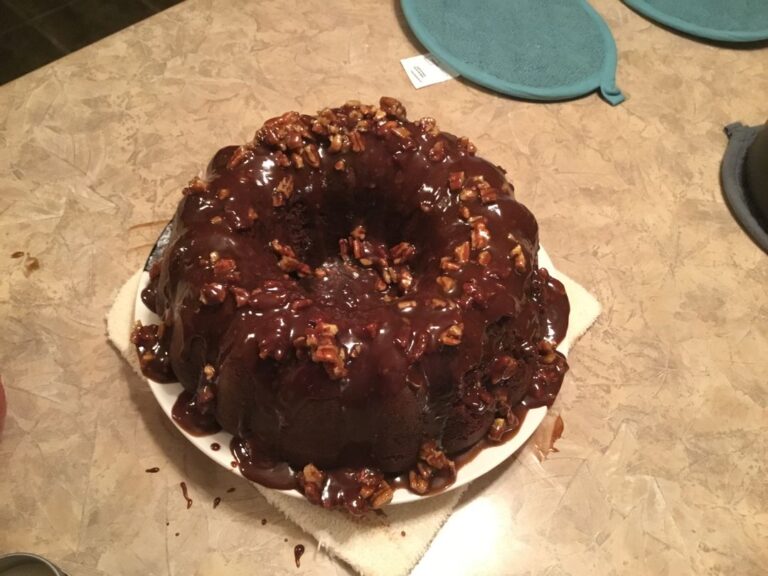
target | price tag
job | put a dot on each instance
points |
(424, 70)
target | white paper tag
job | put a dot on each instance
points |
(423, 70)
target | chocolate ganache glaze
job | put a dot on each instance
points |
(356, 298)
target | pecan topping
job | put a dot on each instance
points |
(209, 372)
(313, 475)
(466, 146)
(402, 252)
(432, 455)
(404, 280)
(323, 347)
(212, 293)
(418, 483)
(241, 295)
(237, 158)
(448, 265)
(455, 180)
(357, 142)
(437, 152)
(223, 194)
(446, 283)
(311, 481)
(382, 496)
(547, 352)
(404, 304)
(432, 462)
(429, 125)
(312, 155)
(497, 429)
(225, 269)
(335, 143)
(502, 369)
(283, 191)
(484, 258)
(488, 194)
(518, 256)
(401, 132)
(340, 165)
(282, 160)
(196, 186)
(392, 107)
(358, 232)
(300, 304)
(288, 261)
(452, 335)
(481, 236)
(461, 252)
(289, 264)
(284, 132)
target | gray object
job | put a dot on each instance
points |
(22, 564)
(741, 199)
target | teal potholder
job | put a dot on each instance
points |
(535, 49)
(723, 20)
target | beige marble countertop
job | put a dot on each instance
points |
(662, 468)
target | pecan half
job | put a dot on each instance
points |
(455, 180)
(237, 158)
(461, 252)
(446, 283)
(392, 107)
(283, 191)
(452, 335)
(481, 236)
(402, 252)
(437, 152)
(518, 257)
(325, 350)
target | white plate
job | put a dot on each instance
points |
(485, 461)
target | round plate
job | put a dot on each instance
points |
(166, 394)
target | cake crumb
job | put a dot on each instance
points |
(30, 265)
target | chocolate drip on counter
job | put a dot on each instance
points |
(154, 470)
(185, 494)
(298, 552)
(345, 290)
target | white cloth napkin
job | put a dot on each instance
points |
(372, 545)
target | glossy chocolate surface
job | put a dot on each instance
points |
(347, 287)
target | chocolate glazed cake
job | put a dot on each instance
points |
(356, 298)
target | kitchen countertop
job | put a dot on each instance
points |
(662, 467)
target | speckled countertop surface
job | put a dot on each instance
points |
(662, 468)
